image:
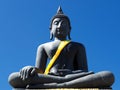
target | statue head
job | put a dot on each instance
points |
(61, 16)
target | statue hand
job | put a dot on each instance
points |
(27, 72)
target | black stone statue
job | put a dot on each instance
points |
(70, 69)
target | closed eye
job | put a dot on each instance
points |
(56, 22)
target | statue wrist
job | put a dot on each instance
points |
(38, 70)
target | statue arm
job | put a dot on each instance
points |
(82, 59)
(41, 59)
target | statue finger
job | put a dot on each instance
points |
(33, 72)
(28, 71)
(26, 74)
(23, 74)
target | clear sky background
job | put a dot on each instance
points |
(24, 24)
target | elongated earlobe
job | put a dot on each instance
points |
(69, 36)
(51, 36)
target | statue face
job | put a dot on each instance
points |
(60, 27)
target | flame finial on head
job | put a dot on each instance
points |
(59, 11)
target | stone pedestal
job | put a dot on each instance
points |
(67, 89)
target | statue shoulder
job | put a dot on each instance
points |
(77, 44)
(79, 47)
(46, 46)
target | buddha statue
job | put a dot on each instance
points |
(68, 66)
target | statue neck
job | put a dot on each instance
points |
(60, 39)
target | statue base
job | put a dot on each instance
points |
(67, 89)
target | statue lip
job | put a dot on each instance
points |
(60, 31)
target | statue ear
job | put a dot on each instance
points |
(51, 35)
(69, 36)
(69, 33)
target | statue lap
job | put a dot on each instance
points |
(79, 80)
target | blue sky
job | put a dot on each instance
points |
(24, 24)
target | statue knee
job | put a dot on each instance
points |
(12, 79)
(15, 80)
(107, 77)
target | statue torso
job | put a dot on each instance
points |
(67, 58)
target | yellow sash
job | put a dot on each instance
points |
(60, 48)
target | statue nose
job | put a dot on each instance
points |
(60, 25)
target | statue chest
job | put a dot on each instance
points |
(68, 52)
(51, 50)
